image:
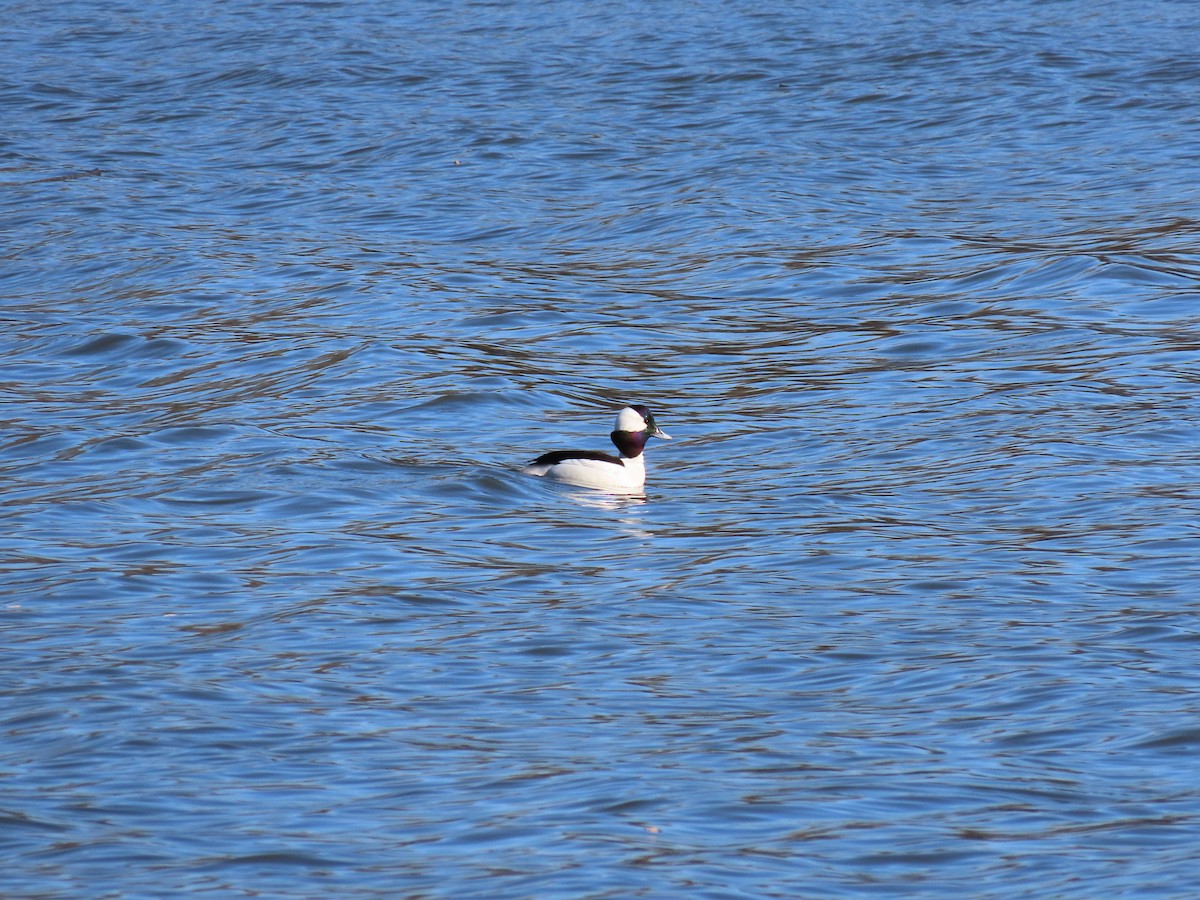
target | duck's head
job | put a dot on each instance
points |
(635, 426)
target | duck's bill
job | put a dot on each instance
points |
(659, 433)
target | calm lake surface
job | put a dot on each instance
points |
(290, 291)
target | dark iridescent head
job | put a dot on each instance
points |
(635, 426)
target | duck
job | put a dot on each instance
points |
(593, 469)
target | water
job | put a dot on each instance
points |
(290, 292)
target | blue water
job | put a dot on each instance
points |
(289, 292)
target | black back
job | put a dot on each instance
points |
(556, 456)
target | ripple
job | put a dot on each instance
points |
(911, 587)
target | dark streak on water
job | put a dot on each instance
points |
(291, 290)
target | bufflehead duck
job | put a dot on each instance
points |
(590, 468)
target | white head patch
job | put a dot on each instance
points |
(628, 419)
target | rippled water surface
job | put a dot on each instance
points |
(289, 292)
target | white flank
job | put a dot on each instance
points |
(595, 473)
